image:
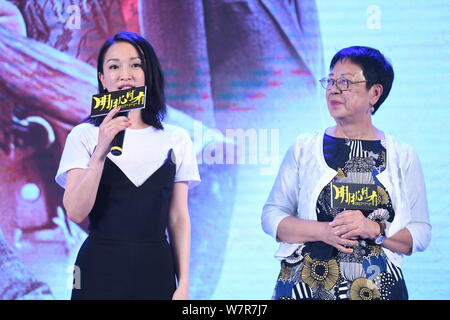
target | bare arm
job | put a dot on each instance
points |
(401, 242)
(295, 230)
(180, 237)
(278, 217)
(82, 184)
(352, 223)
(81, 189)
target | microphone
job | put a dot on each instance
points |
(128, 99)
(117, 143)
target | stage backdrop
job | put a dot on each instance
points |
(242, 78)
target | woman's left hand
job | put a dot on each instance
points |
(181, 293)
(352, 224)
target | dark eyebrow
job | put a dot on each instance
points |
(342, 74)
(117, 60)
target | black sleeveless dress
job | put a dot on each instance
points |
(127, 255)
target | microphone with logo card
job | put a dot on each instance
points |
(128, 99)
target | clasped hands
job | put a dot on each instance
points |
(347, 227)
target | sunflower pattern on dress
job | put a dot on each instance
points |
(319, 271)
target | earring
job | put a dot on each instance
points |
(372, 109)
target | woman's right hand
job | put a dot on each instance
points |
(330, 237)
(108, 129)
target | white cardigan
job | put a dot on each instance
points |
(304, 173)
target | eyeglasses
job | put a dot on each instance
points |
(341, 83)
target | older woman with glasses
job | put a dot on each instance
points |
(349, 202)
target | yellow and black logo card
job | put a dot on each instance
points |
(133, 98)
(354, 196)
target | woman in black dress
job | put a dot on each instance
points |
(131, 200)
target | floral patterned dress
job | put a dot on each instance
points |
(319, 271)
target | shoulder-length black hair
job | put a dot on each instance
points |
(155, 104)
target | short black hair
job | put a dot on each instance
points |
(376, 68)
(155, 104)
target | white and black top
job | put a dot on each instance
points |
(144, 151)
(127, 254)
